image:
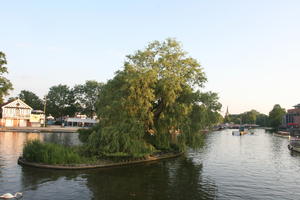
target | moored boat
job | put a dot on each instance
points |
(241, 131)
(294, 144)
(284, 134)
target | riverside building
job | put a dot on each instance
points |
(292, 118)
(15, 113)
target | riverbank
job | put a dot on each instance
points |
(100, 164)
(50, 129)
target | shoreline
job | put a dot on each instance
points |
(105, 164)
(53, 129)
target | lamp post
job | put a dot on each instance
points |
(45, 105)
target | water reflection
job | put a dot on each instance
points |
(172, 179)
(249, 167)
(177, 179)
(53, 184)
(61, 138)
(11, 146)
(32, 178)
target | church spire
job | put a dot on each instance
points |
(227, 112)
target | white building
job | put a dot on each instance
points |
(15, 114)
(79, 122)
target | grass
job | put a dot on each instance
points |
(58, 154)
(49, 153)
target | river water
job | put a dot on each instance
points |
(229, 167)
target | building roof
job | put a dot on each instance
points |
(297, 106)
(17, 103)
(50, 117)
(88, 120)
(37, 111)
(6, 103)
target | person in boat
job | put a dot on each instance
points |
(241, 129)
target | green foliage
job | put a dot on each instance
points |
(249, 117)
(5, 84)
(48, 153)
(61, 101)
(151, 102)
(86, 96)
(124, 138)
(276, 115)
(84, 133)
(12, 98)
(262, 120)
(31, 99)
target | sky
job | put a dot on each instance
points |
(249, 49)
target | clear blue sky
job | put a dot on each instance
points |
(250, 50)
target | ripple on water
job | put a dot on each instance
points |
(227, 167)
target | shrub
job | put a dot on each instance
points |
(84, 133)
(48, 153)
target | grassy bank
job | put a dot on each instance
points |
(56, 154)
(48, 153)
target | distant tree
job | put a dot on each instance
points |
(61, 101)
(249, 117)
(86, 96)
(227, 119)
(275, 116)
(31, 99)
(5, 84)
(262, 120)
(234, 118)
(12, 98)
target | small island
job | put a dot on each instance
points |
(154, 108)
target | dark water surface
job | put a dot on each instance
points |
(227, 167)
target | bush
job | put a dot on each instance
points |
(84, 133)
(48, 153)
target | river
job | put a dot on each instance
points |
(229, 167)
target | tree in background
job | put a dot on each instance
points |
(152, 99)
(61, 101)
(5, 84)
(86, 96)
(227, 119)
(208, 111)
(31, 99)
(275, 116)
(12, 99)
(249, 117)
(262, 120)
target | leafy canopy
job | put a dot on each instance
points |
(86, 96)
(31, 99)
(5, 84)
(275, 116)
(61, 101)
(249, 117)
(151, 101)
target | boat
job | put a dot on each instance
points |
(285, 134)
(294, 141)
(241, 131)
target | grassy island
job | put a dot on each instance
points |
(155, 104)
(48, 153)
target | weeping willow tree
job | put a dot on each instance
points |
(5, 84)
(154, 103)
